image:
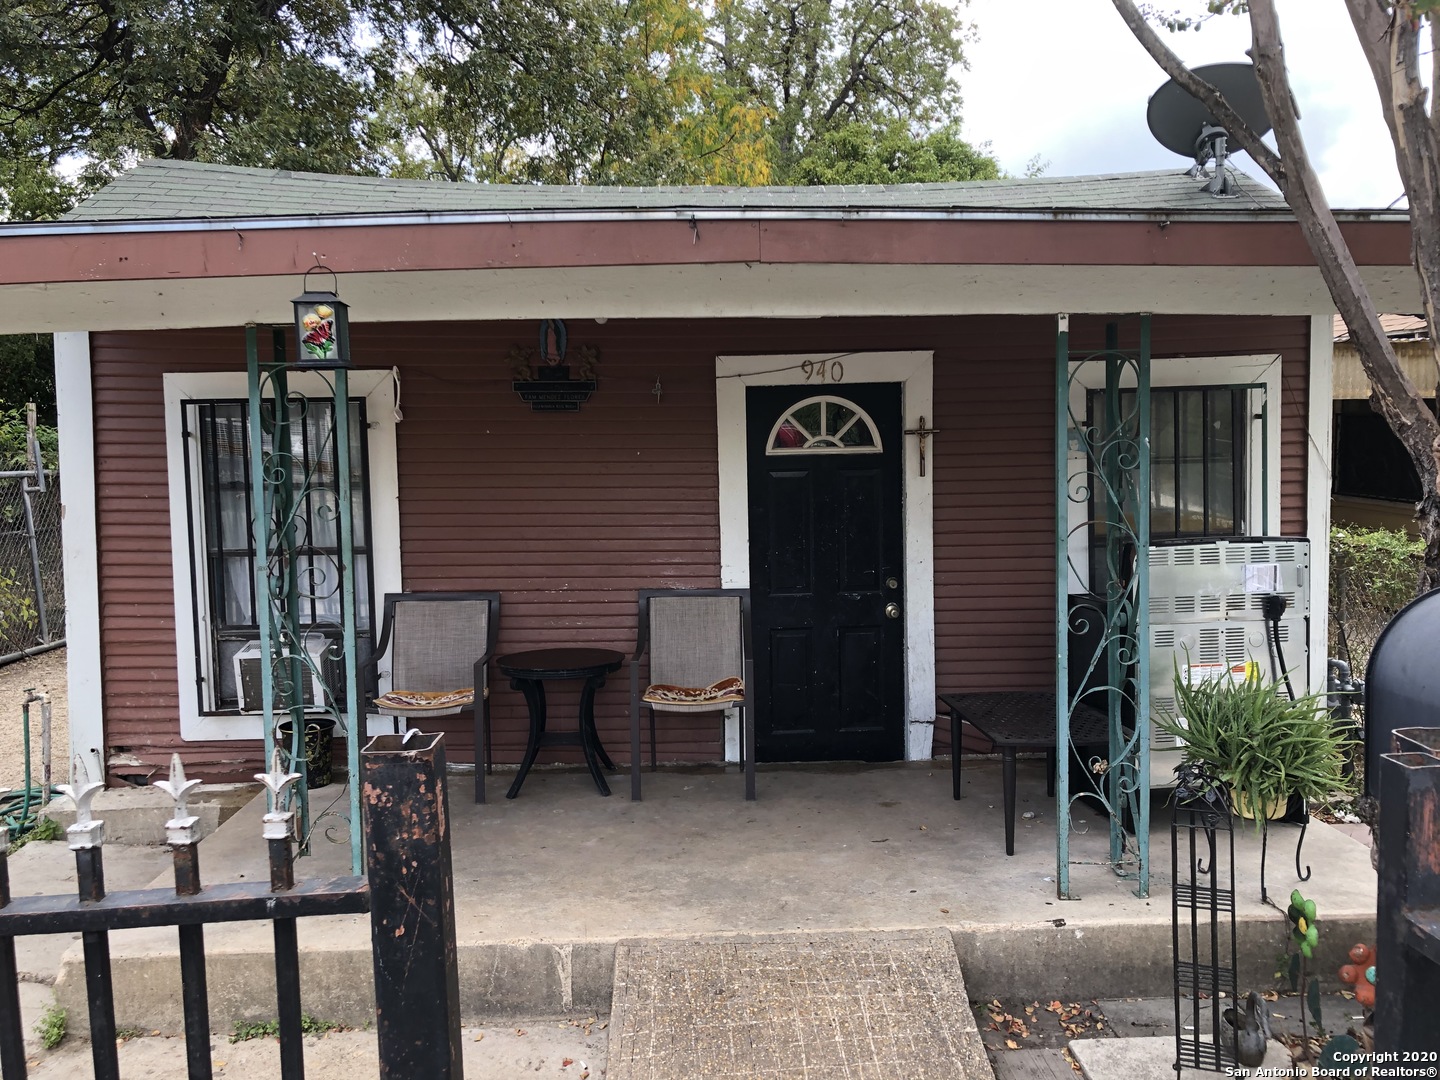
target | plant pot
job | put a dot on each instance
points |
(319, 742)
(1274, 809)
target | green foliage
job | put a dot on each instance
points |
(270, 1029)
(51, 1026)
(254, 82)
(43, 829)
(1253, 737)
(19, 618)
(14, 439)
(27, 373)
(1373, 574)
(265, 1029)
(861, 154)
(556, 91)
(814, 66)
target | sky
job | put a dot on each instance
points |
(1065, 79)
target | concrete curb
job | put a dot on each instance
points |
(505, 979)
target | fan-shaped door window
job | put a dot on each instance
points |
(824, 425)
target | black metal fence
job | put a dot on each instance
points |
(32, 584)
(408, 891)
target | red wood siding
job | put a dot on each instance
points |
(568, 514)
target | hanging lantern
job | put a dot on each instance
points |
(322, 326)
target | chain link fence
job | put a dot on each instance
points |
(32, 585)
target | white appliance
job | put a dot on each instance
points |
(249, 663)
(1207, 620)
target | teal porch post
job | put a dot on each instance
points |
(1109, 481)
(301, 486)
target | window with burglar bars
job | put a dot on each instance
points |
(1197, 464)
(224, 542)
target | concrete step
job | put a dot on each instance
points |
(138, 815)
(845, 1005)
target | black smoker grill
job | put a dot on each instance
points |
(1402, 683)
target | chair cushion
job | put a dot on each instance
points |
(731, 689)
(425, 700)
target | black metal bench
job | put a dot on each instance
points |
(1019, 720)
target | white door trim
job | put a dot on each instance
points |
(915, 372)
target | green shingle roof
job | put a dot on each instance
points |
(183, 190)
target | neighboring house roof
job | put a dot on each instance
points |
(183, 190)
(1396, 327)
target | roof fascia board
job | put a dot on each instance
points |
(341, 221)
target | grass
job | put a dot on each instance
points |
(51, 1027)
(270, 1029)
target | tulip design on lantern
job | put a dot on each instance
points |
(319, 327)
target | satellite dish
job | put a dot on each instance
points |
(1181, 123)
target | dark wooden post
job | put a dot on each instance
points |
(12, 1035)
(1407, 964)
(412, 906)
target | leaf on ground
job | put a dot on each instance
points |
(565, 1063)
(479, 1035)
(1012, 1044)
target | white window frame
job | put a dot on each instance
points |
(1198, 372)
(191, 603)
(831, 447)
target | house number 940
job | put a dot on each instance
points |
(823, 370)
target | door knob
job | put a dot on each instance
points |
(892, 610)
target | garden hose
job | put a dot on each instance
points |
(20, 807)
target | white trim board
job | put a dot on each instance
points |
(915, 372)
(80, 554)
(1318, 461)
(378, 389)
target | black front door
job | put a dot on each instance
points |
(826, 573)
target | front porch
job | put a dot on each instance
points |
(548, 883)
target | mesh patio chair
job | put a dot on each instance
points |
(439, 645)
(698, 641)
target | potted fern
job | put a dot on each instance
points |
(1250, 734)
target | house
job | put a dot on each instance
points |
(716, 316)
(1375, 480)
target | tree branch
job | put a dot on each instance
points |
(1229, 119)
(1400, 402)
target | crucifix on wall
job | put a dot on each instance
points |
(923, 433)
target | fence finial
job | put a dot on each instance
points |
(277, 821)
(181, 828)
(87, 832)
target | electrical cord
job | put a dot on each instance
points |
(1273, 609)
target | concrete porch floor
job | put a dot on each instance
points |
(547, 884)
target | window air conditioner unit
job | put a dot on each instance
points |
(250, 661)
(1206, 620)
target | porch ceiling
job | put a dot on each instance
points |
(698, 291)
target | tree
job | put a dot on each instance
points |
(27, 373)
(1390, 35)
(280, 83)
(815, 66)
(860, 154)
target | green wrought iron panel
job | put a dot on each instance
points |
(1101, 607)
